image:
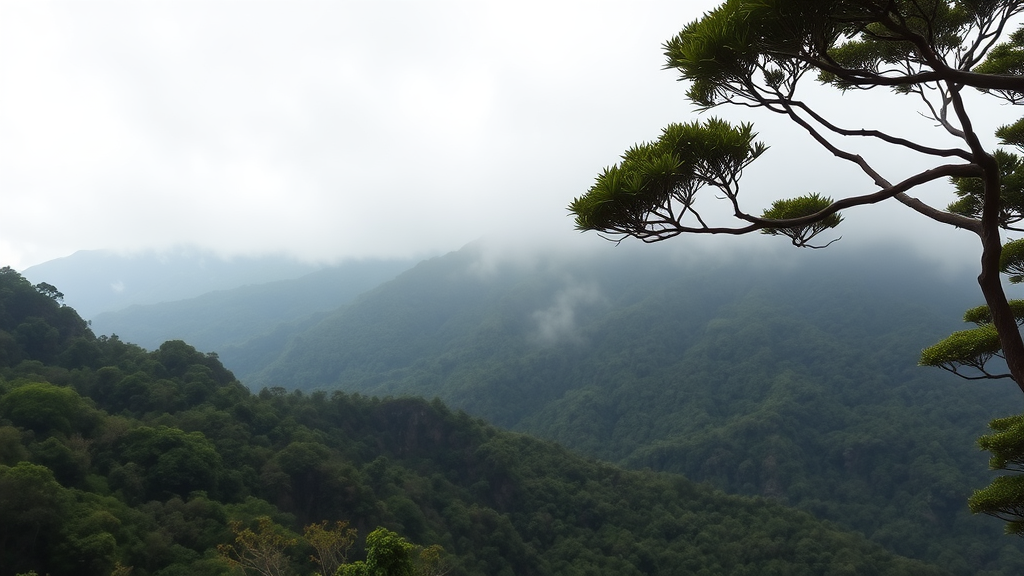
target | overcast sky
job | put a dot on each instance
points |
(335, 129)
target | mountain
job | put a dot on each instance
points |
(96, 281)
(115, 459)
(225, 319)
(792, 379)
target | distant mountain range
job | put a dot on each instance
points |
(193, 295)
(230, 318)
(97, 281)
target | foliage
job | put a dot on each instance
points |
(781, 380)
(981, 315)
(653, 189)
(331, 544)
(756, 53)
(387, 554)
(432, 561)
(1003, 498)
(32, 505)
(973, 348)
(171, 461)
(501, 503)
(971, 192)
(800, 207)
(1011, 261)
(33, 323)
(259, 551)
(46, 409)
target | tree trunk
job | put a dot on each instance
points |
(989, 280)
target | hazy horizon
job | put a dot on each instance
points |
(328, 131)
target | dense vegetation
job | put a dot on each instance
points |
(112, 456)
(795, 381)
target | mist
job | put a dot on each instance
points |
(323, 132)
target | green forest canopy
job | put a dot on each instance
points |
(112, 456)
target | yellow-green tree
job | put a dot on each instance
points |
(331, 544)
(259, 551)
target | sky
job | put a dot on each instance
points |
(341, 129)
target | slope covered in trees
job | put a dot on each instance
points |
(112, 456)
(793, 380)
(228, 319)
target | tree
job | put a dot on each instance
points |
(387, 554)
(32, 508)
(331, 544)
(1004, 497)
(259, 551)
(432, 561)
(174, 461)
(48, 409)
(757, 53)
(50, 291)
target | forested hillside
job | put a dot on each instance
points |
(794, 380)
(113, 457)
(225, 320)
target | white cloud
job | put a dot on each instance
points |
(334, 129)
(558, 322)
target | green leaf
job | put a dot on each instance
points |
(1006, 444)
(1006, 59)
(971, 191)
(1012, 134)
(1011, 261)
(1003, 498)
(798, 208)
(967, 347)
(660, 177)
(982, 315)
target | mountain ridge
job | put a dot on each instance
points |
(96, 281)
(228, 318)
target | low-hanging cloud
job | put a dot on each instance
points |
(327, 131)
(557, 323)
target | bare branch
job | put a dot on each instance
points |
(948, 152)
(985, 375)
(940, 72)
